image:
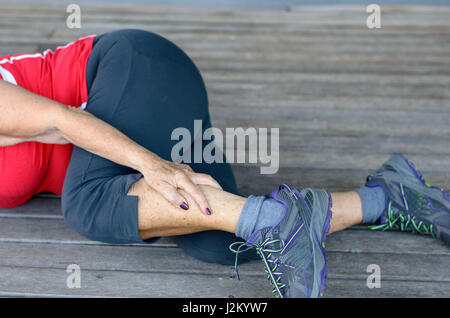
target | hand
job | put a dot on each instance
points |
(167, 178)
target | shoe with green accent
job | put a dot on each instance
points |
(293, 250)
(412, 205)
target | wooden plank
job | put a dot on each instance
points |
(17, 48)
(251, 181)
(395, 264)
(303, 141)
(281, 78)
(55, 231)
(284, 26)
(361, 241)
(335, 289)
(222, 95)
(45, 229)
(407, 48)
(308, 86)
(258, 34)
(39, 230)
(354, 12)
(340, 121)
(413, 271)
(317, 117)
(389, 289)
(36, 281)
(303, 35)
(36, 206)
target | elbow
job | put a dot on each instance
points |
(10, 141)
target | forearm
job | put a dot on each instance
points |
(26, 116)
(94, 135)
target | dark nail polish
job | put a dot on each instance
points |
(184, 206)
(208, 211)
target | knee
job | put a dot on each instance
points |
(148, 43)
(157, 46)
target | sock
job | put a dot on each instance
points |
(258, 212)
(373, 203)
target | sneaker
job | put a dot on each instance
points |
(293, 250)
(412, 205)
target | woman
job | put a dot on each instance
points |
(92, 122)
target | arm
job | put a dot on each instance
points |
(29, 117)
(24, 116)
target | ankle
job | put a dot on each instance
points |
(346, 210)
(373, 201)
(258, 212)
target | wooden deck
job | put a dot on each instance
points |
(344, 97)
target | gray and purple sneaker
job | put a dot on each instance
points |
(293, 250)
(412, 205)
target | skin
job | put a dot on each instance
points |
(158, 218)
(164, 186)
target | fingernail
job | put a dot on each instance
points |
(184, 206)
(208, 211)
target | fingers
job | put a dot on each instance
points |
(205, 179)
(173, 196)
(199, 178)
(172, 177)
(187, 167)
(183, 182)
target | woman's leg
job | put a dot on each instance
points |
(346, 210)
(146, 87)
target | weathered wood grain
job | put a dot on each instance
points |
(131, 284)
(401, 265)
(38, 206)
(359, 239)
(344, 98)
(52, 282)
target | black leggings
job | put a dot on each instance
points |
(145, 86)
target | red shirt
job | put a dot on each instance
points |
(31, 167)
